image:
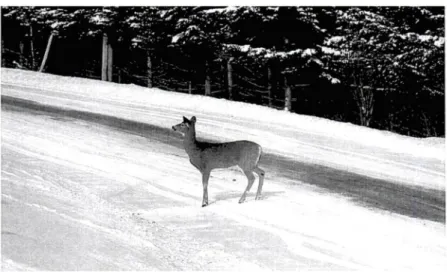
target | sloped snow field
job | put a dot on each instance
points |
(93, 178)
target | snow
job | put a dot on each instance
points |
(177, 37)
(135, 25)
(335, 40)
(308, 52)
(331, 51)
(242, 48)
(425, 38)
(56, 24)
(333, 80)
(221, 10)
(136, 40)
(107, 186)
(268, 53)
(99, 19)
(317, 61)
(440, 42)
(436, 40)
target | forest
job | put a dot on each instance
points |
(379, 67)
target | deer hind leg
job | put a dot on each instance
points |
(251, 180)
(261, 174)
(205, 178)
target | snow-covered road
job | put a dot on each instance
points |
(103, 184)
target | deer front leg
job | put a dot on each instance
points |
(205, 177)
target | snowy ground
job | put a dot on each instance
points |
(94, 179)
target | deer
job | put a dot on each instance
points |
(206, 156)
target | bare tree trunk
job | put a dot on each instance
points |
(391, 122)
(47, 52)
(230, 78)
(269, 82)
(31, 43)
(287, 95)
(364, 98)
(22, 52)
(149, 70)
(189, 87)
(109, 62)
(364, 102)
(104, 58)
(3, 52)
(207, 79)
(427, 126)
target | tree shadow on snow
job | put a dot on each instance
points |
(413, 201)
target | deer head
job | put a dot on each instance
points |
(185, 126)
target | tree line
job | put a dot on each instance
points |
(381, 67)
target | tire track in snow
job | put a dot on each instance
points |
(413, 201)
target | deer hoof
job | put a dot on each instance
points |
(204, 205)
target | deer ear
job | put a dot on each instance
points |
(193, 119)
(185, 120)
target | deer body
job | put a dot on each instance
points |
(208, 156)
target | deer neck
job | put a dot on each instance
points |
(190, 142)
